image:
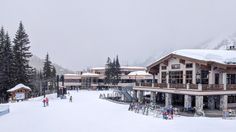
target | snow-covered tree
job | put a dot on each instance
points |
(21, 56)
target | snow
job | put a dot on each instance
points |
(122, 67)
(19, 86)
(89, 74)
(88, 113)
(219, 56)
(139, 73)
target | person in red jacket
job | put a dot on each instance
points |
(47, 101)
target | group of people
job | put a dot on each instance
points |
(168, 114)
(45, 102)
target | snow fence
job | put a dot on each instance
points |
(4, 109)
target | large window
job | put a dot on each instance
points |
(204, 77)
(189, 65)
(163, 77)
(175, 66)
(189, 77)
(163, 67)
(176, 77)
(231, 78)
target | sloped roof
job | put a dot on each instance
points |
(19, 86)
(139, 73)
(88, 74)
(218, 56)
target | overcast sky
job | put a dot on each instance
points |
(83, 33)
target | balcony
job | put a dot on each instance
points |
(192, 87)
(231, 86)
(212, 87)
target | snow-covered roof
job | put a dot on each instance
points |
(19, 86)
(88, 74)
(122, 67)
(218, 56)
(139, 73)
(70, 74)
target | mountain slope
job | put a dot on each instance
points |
(38, 63)
(221, 42)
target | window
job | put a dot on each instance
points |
(189, 65)
(163, 67)
(163, 77)
(176, 77)
(231, 78)
(217, 78)
(189, 76)
(182, 61)
(204, 76)
(175, 66)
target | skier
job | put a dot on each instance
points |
(44, 102)
(47, 101)
(70, 98)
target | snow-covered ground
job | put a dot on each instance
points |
(88, 113)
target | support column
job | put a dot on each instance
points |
(153, 80)
(211, 102)
(184, 76)
(135, 94)
(153, 97)
(199, 102)
(225, 80)
(167, 79)
(211, 76)
(223, 102)
(187, 101)
(168, 99)
(140, 96)
(194, 73)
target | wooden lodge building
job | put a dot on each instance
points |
(94, 78)
(205, 79)
(19, 92)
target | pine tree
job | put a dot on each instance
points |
(112, 71)
(2, 41)
(108, 71)
(7, 64)
(47, 72)
(117, 70)
(21, 54)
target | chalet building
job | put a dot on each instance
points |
(94, 78)
(205, 79)
(19, 92)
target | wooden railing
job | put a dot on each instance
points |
(161, 85)
(146, 84)
(178, 86)
(193, 86)
(212, 87)
(231, 86)
(204, 87)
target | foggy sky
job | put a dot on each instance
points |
(82, 33)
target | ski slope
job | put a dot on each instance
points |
(88, 113)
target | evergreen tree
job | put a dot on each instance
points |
(117, 70)
(7, 65)
(22, 55)
(112, 71)
(47, 68)
(2, 41)
(108, 71)
(49, 74)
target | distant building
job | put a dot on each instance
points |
(19, 92)
(94, 78)
(205, 79)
